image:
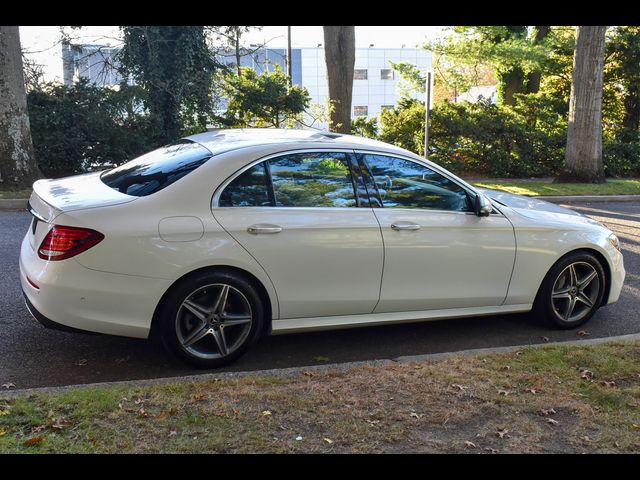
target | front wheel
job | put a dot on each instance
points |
(572, 291)
(211, 319)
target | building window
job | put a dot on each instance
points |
(360, 110)
(386, 74)
(386, 107)
(360, 74)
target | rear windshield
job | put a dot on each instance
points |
(156, 170)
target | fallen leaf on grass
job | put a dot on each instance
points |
(492, 450)
(552, 421)
(609, 383)
(416, 415)
(4, 413)
(298, 438)
(173, 433)
(635, 426)
(503, 433)
(503, 392)
(459, 387)
(532, 390)
(199, 397)
(60, 424)
(2, 431)
(506, 367)
(266, 413)
(328, 440)
(307, 374)
(37, 429)
(9, 385)
(373, 423)
(586, 438)
(545, 339)
(586, 374)
(547, 412)
(583, 333)
(142, 412)
(468, 444)
(34, 440)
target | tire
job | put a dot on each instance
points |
(579, 278)
(196, 327)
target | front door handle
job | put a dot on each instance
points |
(405, 226)
(264, 228)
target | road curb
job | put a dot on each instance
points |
(588, 198)
(13, 203)
(292, 371)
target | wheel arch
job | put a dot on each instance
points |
(601, 258)
(262, 292)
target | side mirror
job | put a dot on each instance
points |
(483, 206)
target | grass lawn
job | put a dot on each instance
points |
(533, 187)
(551, 399)
(26, 193)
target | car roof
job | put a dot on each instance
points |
(224, 140)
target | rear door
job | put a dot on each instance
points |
(300, 216)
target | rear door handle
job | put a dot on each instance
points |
(405, 226)
(264, 228)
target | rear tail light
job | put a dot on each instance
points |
(65, 242)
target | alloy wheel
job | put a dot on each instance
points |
(575, 292)
(213, 321)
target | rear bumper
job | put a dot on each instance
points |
(70, 296)
(47, 322)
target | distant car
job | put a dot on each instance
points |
(221, 237)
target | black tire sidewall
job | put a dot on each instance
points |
(544, 303)
(180, 291)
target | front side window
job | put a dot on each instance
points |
(406, 184)
(157, 169)
(360, 110)
(386, 74)
(360, 74)
(312, 180)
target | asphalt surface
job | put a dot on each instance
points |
(32, 356)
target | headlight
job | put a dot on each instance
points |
(613, 240)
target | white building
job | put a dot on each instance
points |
(375, 86)
(375, 83)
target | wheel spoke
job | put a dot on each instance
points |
(197, 310)
(196, 334)
(584, 283)
(570, 307)
(573, 281)
(581, 297)
(221, 300)
(229, 319)
(564, 295)
(221, 341)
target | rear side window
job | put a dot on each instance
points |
(248, 190)
(156, 170)
(320, 179)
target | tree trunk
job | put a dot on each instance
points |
(18, 168)
(534, 77)
(583, 157)
(631, 119)
(340, 56)
(510, 82)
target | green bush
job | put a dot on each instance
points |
(84, 127)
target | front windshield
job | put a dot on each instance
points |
(156, 170)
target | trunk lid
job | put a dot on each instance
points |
(50, 198)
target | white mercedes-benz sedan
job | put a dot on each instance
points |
(208, 243)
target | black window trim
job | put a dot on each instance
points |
(348, 152)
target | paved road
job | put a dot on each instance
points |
(32, 356)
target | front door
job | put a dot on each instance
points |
(438, 253)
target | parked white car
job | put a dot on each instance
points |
(221, 237)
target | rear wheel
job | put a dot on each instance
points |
(572, 291)
(211, 319)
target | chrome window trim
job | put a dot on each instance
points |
(218, 191)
